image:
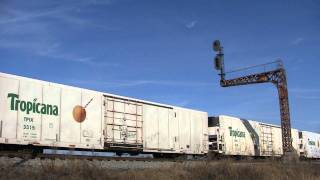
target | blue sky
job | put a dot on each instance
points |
(161, 50)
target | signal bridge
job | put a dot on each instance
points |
(277, 76)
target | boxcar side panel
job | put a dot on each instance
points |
(29, 123)
(69, 128)
(196, 132)
(311, 144)
(50, 124)
(163, 119)
(204, 135)
(150, 127)
(91, 129)
(234, 136)
(8, 117)
(174, 130)
(277, 141)
(185, 129)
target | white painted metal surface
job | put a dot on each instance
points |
(175, 130)
(48, 114)
(295, 140)
(310, 144)
(41, 113)
(234, 136)
(123, 119)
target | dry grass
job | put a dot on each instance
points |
(223, 170)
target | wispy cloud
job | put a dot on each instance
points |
(60, 13)
(52, 50)
(100, 2)
(308, 97)
(191, 24)
(306, 93)
(15, 16)
(304, 90)
(32, 32)
(75, 58)
(297, 41)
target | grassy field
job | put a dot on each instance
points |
(224, 170)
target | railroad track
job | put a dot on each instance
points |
(25, 156)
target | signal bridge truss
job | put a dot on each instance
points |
(276, 76)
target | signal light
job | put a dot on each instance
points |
(218, 62)
(216, 46)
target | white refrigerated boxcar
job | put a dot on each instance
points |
(309, 145)
(234, 136)
(53, 115)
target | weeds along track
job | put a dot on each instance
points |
(79, 169)
(20, 165)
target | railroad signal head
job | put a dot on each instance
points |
(216, 46)
(218, 62)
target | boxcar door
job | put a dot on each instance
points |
(123, 120)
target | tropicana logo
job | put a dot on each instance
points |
(34, 107)
(312, 143)
(237, 133)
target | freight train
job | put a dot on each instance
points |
(48, 115)
(231, 136)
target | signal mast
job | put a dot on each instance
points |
(276, 76)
